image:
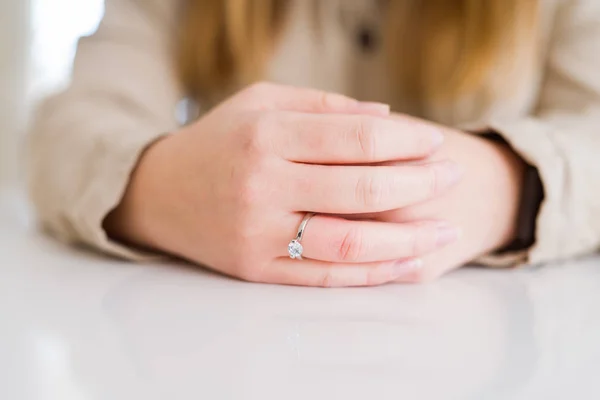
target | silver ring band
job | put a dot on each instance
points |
(295, 248)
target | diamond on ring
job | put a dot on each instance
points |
(295, 249)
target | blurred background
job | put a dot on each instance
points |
(37, 45)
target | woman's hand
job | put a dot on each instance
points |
(229, 191)
(484, 204)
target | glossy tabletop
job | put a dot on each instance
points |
(75, 325)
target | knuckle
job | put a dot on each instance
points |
(248, 184)
(259, 88)
(352, 246)
(370, 191)
(248, 227)
(250, 189)
(258, 132)
(327, 280)
(328, 101)
(365, 137)
(256, 96)
(334, 102)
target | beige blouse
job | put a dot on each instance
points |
(124, 95)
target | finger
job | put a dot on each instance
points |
(339, 240)
(283, 97)
(322, 274)
(354, 139)
(366, 189)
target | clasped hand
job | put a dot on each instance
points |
(397, 199)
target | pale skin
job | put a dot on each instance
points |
(398, 199)
(484, 204)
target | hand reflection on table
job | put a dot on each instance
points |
(454, 338)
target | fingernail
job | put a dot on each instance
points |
(446, 234)
(404, 268)
(448, 174)
(437, 137)
(373, 108)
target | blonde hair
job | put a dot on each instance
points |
(437, 49)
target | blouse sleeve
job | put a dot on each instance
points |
(562, 139)
(86, 141)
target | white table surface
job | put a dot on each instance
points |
(75, 325)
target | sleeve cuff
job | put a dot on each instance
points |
(532, 140)
(112, 172)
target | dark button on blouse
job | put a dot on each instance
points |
(367, 39)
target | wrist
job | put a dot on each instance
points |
(132, 221)
(515, 173)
